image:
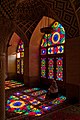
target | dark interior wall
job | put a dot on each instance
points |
(73, 69)
(73, 61)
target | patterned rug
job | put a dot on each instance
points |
(31, 103)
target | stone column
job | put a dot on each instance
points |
(2, 86)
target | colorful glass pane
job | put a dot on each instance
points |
(21, 46)
(18, 65)
(56, 49)
(22, 64)
(50, 68)
(58, 34)
(56, 37)
(18, 55)
(22, 54)
(59, 68)
(43, 67)
(44, 41)
(43, 51)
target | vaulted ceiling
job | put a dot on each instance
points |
(24, 15)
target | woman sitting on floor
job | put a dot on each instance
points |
(53, 90)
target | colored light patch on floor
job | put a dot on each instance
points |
(34, 112)
(16, 105)
(23, 103)
(38, 92)
(13, 97)
(58, 100)
(18, 94)
(12, 84)
(42, 97)
(52, 103)
(31, 90)
(45, 107)
(35, 102)
(26, 98)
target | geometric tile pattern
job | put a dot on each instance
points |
(8, 8)
(76, 4)
(65, 12)
(28, 13)
(22, 102)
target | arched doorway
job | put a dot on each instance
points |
(15, 58)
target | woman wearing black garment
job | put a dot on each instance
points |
(53, 90)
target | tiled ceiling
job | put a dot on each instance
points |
(27, 13)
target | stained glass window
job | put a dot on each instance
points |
(51, 68)
(20, 57)
(52, 49)
(43, 67)
(22, 63)
(59, 68)
(18, 66)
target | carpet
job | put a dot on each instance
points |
(31, 104)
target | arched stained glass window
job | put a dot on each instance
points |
(52, 53)
(20, 57)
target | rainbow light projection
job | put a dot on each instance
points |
(43, 67)
(53, 103)
(42, 97)
(27, 98)
(34, 102)
(12, 84)
(18, 94)
(50, 68)
(19, 106)
(45, 107)
(25, 104)
(59, 68)
(20, 56)
(58, 100)
(31, 90)
(38, 92)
